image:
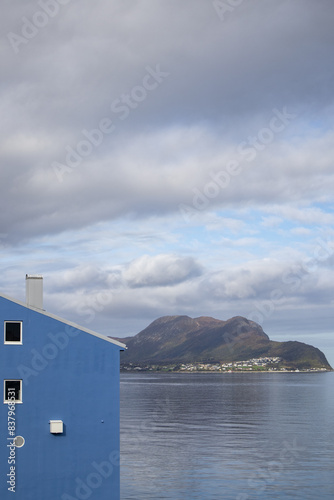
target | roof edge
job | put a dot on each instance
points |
(66, 322)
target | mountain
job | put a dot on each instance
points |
(181, 339)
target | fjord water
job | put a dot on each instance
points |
(234, 436)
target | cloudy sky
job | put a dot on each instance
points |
(170, 157)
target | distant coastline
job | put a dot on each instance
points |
(250, 366)
(196, 372)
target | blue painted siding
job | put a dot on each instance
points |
(68, 375)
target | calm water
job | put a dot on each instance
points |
(230, 436)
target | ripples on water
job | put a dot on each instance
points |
(227, 436)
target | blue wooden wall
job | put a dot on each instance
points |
(68, 375)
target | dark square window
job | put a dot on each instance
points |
(13, 332)
(13, 391)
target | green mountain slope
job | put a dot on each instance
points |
(181, 339)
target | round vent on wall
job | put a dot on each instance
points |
(19, 441)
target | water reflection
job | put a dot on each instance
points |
(213, 436)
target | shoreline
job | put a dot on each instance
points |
(221, 372)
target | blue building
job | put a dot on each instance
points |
(60, 413)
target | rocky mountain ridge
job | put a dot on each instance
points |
(181, 339)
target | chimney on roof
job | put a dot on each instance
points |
(34, 290)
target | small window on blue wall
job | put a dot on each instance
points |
(13, 391)
(13, 332)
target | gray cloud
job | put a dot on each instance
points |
(184, 183)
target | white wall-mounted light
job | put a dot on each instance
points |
(56, 426)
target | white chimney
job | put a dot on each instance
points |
(34, 291)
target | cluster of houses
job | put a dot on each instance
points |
(249, 365)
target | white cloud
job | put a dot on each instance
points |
(160, 270)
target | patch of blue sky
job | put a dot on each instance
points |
(260, 235)
(326, 207)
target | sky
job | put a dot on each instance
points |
(170, 157)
